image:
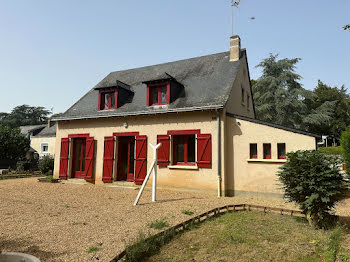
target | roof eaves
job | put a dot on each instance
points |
(273, 125)
(136, 113)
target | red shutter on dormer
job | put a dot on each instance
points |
(204, 150)
(64, 158)
(141, 159)
(108, 157)
(89, 158)
(163, 150)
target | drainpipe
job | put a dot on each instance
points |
(219, 153)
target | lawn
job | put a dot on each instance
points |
(255, 236)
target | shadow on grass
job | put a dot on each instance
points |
(27, 247)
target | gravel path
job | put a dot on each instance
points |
(59, 222)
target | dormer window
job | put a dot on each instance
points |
(158, 94)
(108, 99)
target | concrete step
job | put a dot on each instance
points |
(124, 185)
(76, 181)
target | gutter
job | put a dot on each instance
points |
(219, 153)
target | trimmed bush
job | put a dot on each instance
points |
(22, 166)
(332, 150)
(345, 143)
(313, 180)
(46, 164)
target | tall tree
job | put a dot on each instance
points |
(339, 101)
(25, 115)
(13, 145)
(280, 98)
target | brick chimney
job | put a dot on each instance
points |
(235, 48)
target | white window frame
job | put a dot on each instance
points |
(41, 147)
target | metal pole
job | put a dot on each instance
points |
(154, 182)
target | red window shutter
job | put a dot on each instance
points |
(204, 150)
(163, 150)
(141, 159)
(108, 156)
(89, 158)
(64, 158)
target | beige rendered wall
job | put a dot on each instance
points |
(234, 104)
(244, 176)
(36, 141)
(150, 125)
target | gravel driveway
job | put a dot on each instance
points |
(59, 222)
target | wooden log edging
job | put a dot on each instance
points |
(214, 213)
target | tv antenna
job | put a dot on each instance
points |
(234, 4)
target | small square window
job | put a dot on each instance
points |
(158, 95)
(281, 150)
(44, 148)
(253, 148)
(267, 151)
(184, 149)
(108, 100)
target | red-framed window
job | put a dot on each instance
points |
(184, 149)
(281, 151)
(267, 151)
(253, 150)
(108, 99)
(158, 94)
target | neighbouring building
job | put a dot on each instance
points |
(200, 109)
(44, 142)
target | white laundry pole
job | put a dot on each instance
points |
(154, 184)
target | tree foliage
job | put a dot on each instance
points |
(313, 180)
(345, 144)
(13, 145)
(25, 115)
(46, 163)
(347, 27)
(280, 98)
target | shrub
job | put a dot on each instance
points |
(159, 224)
(332, 150)
(345, 143)
(313, 180)
(24, 165)
(187, 212)
(46, 164)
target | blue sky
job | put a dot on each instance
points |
(53, 52)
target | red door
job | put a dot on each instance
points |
(78, 162)
(126, 158)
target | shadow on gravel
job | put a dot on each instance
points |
(27, 247)
(169, 200)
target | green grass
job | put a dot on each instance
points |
(255, 236)
(159, 224)
(92, 249)
(187, 212)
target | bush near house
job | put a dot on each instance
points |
(345, 143)
(46, 164)
(313, 180)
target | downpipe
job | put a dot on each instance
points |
(219, 153)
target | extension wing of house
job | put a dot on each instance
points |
(200, 109)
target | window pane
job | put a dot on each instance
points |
(163, 94)
(180, 149)
(83, 155)
(112, 100)
(191, 149)
(154, 96)
(253, 151)
(267, 151)
(281, 149)
(105, 106)
(77, 153)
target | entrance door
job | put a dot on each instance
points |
(126, 158)
(78, 167)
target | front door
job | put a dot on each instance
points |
(78, 162)
(126, 158)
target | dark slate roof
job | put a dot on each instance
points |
(47, 132)
(273, 125)
(207, 82)
(25, 130)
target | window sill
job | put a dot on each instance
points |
(183, 167)
(267, 160)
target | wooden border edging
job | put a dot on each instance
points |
(216, 212)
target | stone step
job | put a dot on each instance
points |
(76, 181)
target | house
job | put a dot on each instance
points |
(44, 142)
(200, 109)
(30, 131)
